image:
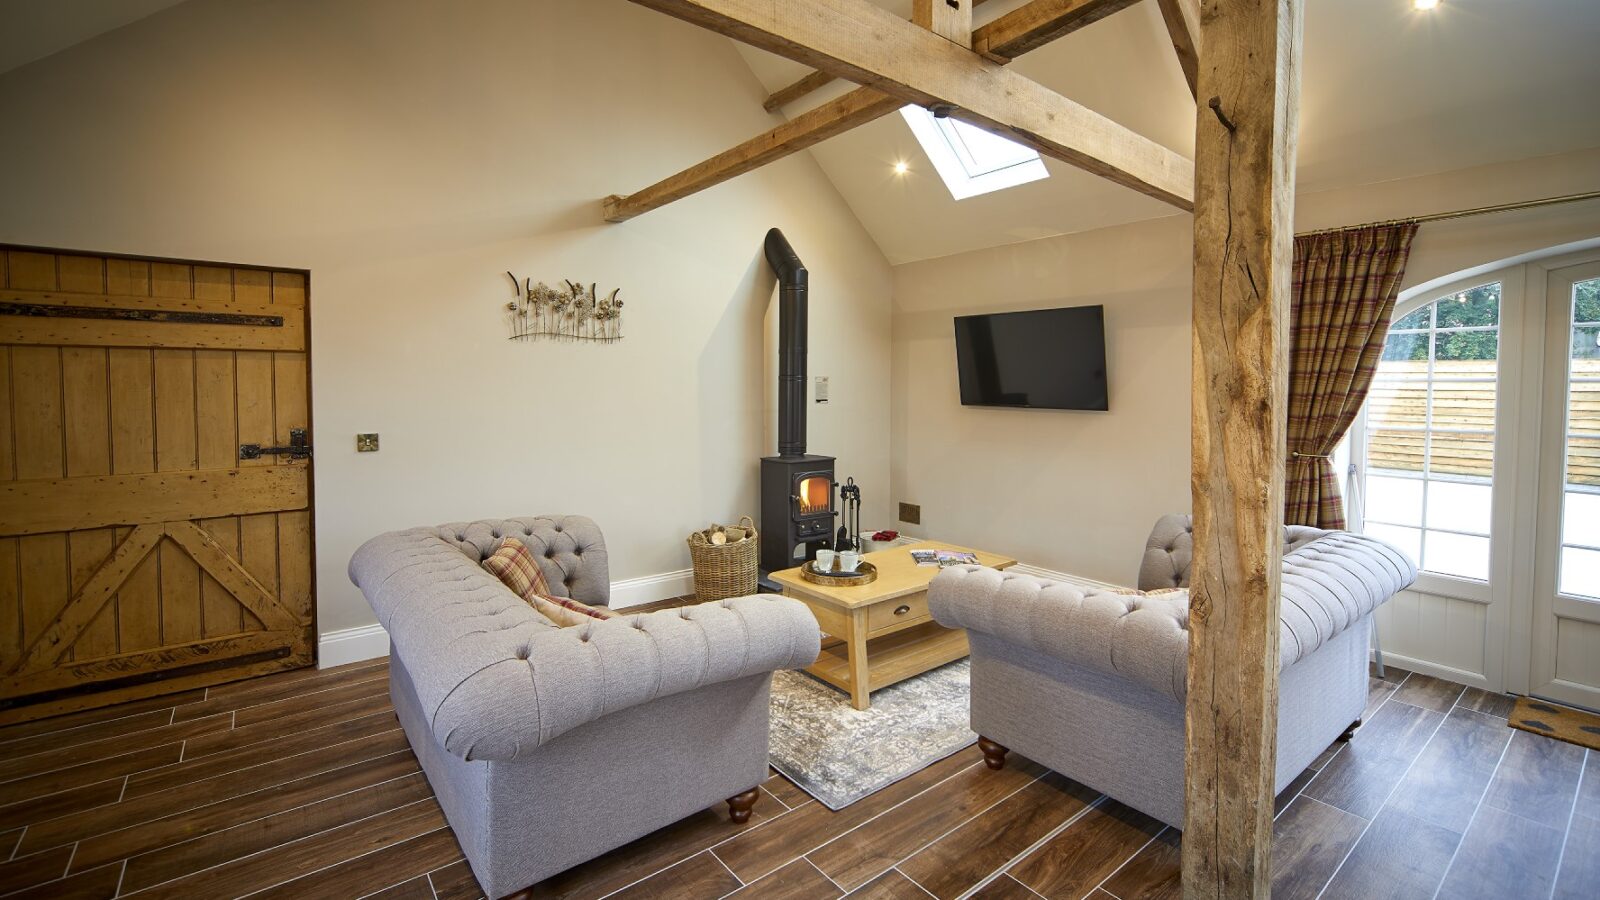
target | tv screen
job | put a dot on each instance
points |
(1039, 359)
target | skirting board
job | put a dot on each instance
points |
(650, 588)
(348, 645)
(1447, 673)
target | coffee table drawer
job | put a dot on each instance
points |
(898, 612)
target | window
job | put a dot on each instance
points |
(972, 161)
(1580, 495)
(1430, 433)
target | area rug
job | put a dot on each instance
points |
(839, 754)
(1560, 722)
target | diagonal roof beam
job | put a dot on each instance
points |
(808, 83)
(1183, 26)
(1038, 23)
(788, 94)
(1004, 38)
(858, 107)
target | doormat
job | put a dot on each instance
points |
(840, 754)
(1560, 722)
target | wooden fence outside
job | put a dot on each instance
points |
(1396, 404)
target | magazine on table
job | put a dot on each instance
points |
(944, 558)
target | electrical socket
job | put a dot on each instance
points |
(911, 513)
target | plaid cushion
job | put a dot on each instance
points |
(597, 612)
(517, 569)
(566, 612)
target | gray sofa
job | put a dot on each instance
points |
(549, 746)
(1092, 683)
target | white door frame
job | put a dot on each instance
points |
(1520, 599)
(1549, 285)
(1496, 594)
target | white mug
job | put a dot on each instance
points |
(824, 561)
(849, 560)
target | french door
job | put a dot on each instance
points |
(1436, 452)
(1565, 633)
(1478, 454)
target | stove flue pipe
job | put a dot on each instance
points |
(792, 316)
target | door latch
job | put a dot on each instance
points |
(299, 447)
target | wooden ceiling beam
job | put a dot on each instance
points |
(858, 107)
(815, 81)
(788, 94)
(1183, 27)
(949, 19)
(925, 69)
(1038, 23)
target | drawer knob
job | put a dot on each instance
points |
(901, 610)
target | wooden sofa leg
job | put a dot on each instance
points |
(1349, 732)
(739, 806)
(994, 755)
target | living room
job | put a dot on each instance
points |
(357, 216)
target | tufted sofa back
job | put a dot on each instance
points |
(1169, 551)
(495, 679)
(1331, 581)
(569, 549)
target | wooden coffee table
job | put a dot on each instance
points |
(881, 633)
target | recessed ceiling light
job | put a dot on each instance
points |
(1425, 4)
(900, 168)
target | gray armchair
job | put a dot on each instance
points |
(1092, 683)
(531, 735)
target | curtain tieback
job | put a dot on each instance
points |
(1296, 454)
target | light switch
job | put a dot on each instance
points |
(822, 389)
(367, 442)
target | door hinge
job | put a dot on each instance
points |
(299, 447)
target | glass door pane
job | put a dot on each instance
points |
(1579, 573)
(1430, 433)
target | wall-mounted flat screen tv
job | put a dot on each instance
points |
(1038, 359)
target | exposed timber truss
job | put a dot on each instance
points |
(1241, 58)
(898, 62)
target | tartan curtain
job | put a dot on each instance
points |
(1345, 283)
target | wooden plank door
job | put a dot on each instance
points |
(139, 553)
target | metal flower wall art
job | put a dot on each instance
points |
(570, 312)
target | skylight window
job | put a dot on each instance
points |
(970, 160)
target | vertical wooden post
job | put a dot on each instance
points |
(949, 19)
(1248, 91)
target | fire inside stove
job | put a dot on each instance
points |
(814, 493)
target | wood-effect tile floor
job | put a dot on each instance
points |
(302, 785)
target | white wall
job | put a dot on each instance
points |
(407, 153)
(1071, 491)
(1078, 491)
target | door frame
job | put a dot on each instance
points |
(1513, 608)
(1495, 595)
(1549, 288)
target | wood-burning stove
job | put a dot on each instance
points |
(796, 487)
(796, 509)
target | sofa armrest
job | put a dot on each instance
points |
(1145, 639)
(553, 681)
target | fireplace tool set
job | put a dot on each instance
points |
(849, 535)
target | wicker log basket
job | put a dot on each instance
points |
(724, 560)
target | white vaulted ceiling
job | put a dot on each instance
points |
(1387, 92)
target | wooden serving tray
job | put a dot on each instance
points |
(865, 573)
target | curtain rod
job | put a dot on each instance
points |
(1475, 211)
